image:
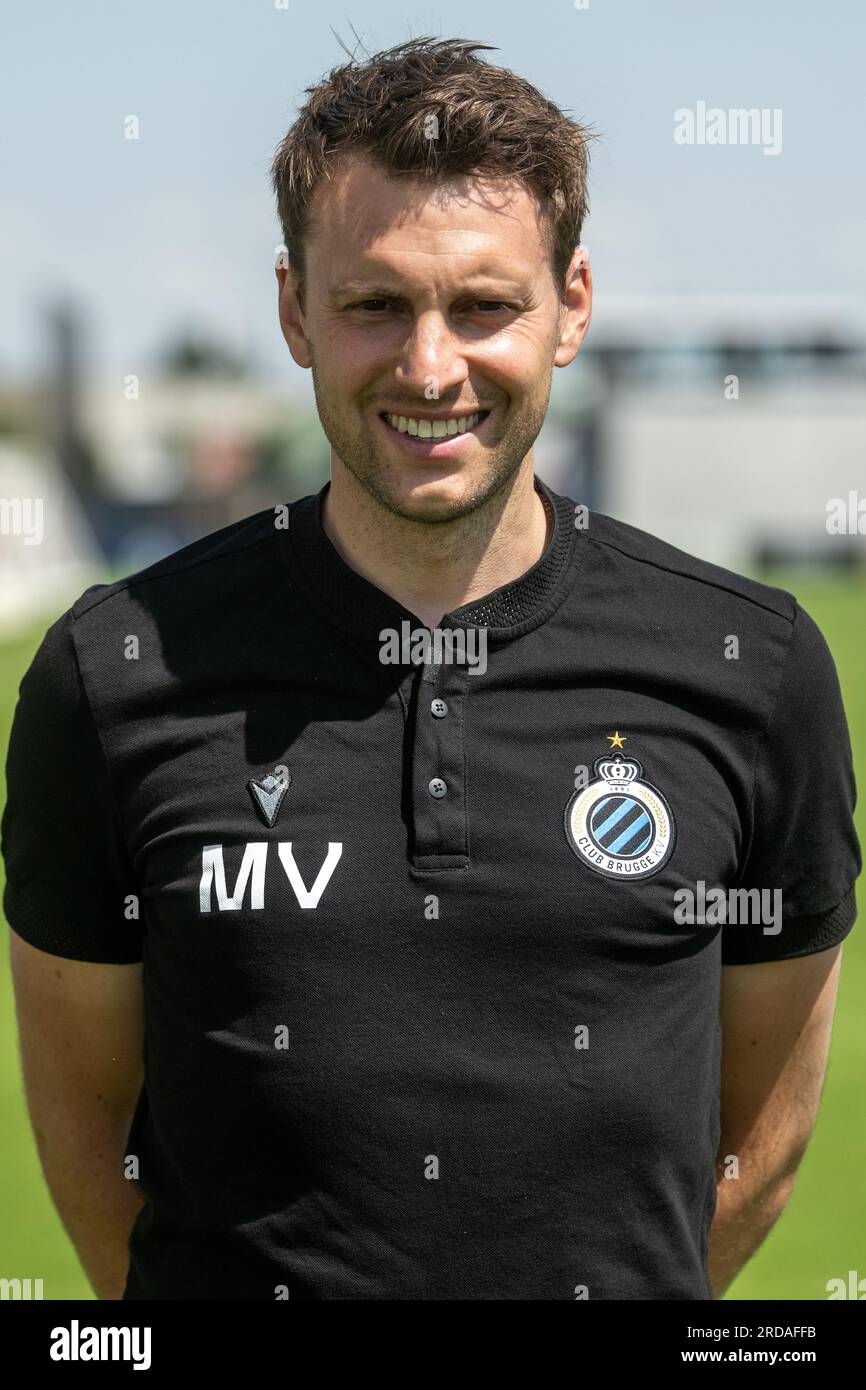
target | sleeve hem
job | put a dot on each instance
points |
(799, 936)
(59, 936)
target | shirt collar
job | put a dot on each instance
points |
(362, 610)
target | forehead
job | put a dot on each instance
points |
(362, 214)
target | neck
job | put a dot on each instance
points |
(432, 569)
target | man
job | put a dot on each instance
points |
(401, 952)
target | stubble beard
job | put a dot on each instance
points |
(355, 445)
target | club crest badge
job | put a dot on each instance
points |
(620, 825)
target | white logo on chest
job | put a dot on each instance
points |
(252, 873)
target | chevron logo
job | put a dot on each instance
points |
(268, 794)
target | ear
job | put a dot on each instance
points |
(576, 308)
(291, 315)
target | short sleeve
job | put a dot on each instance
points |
(69, 886)
(803, 855)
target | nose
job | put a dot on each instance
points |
(431, 355)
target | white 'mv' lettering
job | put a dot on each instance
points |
(213, 874)
(213, 867)
(309, 897)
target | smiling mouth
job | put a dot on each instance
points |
(434, 429)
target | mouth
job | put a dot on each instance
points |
(433, 438)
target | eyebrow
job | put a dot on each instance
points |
(363, 287)
(370, 289)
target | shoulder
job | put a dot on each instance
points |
(674, 573)
(677, 614)
(200, 597)
(218, 559)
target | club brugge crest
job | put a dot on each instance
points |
(620, 825)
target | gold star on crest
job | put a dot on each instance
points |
(616, 739)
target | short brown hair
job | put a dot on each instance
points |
(490, 123)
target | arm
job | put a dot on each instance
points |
(81, 1031)
(777, 1018)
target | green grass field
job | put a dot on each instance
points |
(821, 1235)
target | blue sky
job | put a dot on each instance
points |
(179, 227)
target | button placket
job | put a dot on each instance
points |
(439, 768)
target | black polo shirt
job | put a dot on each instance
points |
(424, 1019)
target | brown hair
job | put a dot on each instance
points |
(490, 123)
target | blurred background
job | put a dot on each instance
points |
(147, 396)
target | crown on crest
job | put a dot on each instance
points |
(618, 771)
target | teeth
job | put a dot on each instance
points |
(434, 429)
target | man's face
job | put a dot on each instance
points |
(422, 302)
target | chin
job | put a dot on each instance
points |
(434, 499)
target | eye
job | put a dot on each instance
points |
(495, 304)
(365, 304)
